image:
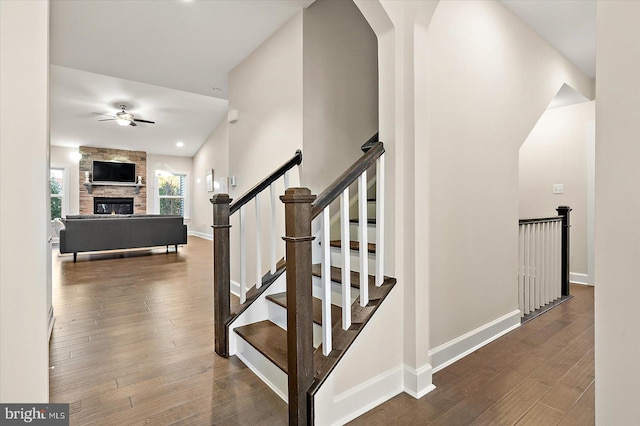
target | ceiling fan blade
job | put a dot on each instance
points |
(99, 113)
(144, 121)
(132, 123)
(107, 119)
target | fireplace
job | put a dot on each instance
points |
(109, 205)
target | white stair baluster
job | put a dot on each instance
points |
(521, 269)
(326, 283)
(346, 260)
(243, 258)
(272, 251)
(286, 180)
(362, 238)
(380, 221)
(258, 245)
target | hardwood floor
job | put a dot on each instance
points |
(132, 344)
(539, 374)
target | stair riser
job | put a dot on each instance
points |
(371, 232)
(275, 378)
(336, 291)
(336, 260)
(278, 316)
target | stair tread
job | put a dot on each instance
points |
(369, 221)
(336, 311)
(353, 245)
(269, 339)
(336, 275)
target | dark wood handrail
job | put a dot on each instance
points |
(368, 144)
(540, 220)
(347, 178)
(296, 160)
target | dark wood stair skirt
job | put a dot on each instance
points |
(253, 293)
(354, 245)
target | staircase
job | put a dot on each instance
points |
(316, 308)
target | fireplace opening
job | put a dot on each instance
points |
(109, 205)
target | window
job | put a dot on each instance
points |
(171, 193)
(56, 185)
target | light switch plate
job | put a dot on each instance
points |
(558, 188)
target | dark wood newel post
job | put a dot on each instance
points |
(566, 225)
(221, 272)
(299, 302)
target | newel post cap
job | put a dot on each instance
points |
(297, 195)
(220, 199)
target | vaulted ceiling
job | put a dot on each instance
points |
(168, 61)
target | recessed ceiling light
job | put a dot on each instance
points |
(180, 144)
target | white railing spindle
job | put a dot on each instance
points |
(380, 221)
(539, 264)
(258, 245)
(521, 269)
(326, 283)
(243, 258)
(346, 260)
(527, 272)
(272, 251)
(362, 238)
(286, 180)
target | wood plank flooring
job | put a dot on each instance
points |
(539, 374)
(132, 344)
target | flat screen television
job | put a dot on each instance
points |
(111, 171)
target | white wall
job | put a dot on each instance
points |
(266, 89)
(617, 229)
(214, 154)
(172, 164)
(340, 90)
(25, 260)
(555, 152)
(483, 79)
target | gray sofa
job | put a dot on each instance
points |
(83, 233)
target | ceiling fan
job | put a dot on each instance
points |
(124, 118)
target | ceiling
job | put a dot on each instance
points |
(168, 61)
(568, 25)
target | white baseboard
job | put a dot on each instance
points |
(366, 396)
(201, 235)
(418, 383)
(578, 278)
(450, 352)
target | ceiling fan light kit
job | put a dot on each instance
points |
(124, 118)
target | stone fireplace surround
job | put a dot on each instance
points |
(112, 191)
